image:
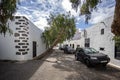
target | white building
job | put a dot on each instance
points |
(25, 42)
(99, 36)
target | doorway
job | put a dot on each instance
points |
(34, 48)
(87, 42)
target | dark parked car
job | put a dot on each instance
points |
(68, 50)
(63, 47)
(91, 57)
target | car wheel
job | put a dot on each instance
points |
(76, 58)
(88, 63)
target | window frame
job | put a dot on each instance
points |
(102, 31)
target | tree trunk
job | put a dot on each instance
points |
(116, 21)
(57, 39)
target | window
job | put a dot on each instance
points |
(17, 17)
(102, 49)
(73, 46)
(78, 46)
(102, 31)
(87, 42)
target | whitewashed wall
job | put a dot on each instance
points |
(8, 50)
(7, 45)
(105, 41)
(35, 35)
(97, 40)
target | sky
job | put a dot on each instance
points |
(37, 11)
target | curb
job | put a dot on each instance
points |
(114, 66)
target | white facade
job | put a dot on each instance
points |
(19, 46)
(101, 42)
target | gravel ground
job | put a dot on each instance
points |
(57, 66)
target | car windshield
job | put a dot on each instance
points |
(90, 51)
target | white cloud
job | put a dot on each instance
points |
(38, 10)
(41, 23)
(102, 13)
(67, 7)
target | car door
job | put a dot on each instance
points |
(80, 54)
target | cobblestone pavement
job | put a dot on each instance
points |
(57, 66)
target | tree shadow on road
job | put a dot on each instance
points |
(80, 72)
(22, 70)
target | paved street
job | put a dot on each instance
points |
(57, 66)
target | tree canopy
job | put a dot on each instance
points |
(62, 27)
(7, 8)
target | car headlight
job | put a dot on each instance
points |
(93, 57)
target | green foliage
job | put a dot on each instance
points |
(7, 8)
(62, 27)
(86, 8)
(117, 40)
(75, 4)
(73, 1)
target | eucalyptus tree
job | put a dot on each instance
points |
(89, 5)
(7, 8)
(62, 27)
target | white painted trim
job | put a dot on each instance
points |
(113, 65)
